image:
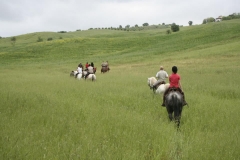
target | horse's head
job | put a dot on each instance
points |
(151, 81)
(71, 73)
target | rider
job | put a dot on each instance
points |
(79, 70)
(81, 66)
(86, 65)
(89, 71)
(174, 80)
(92, 64)
(161, 76)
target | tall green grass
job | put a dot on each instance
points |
(46, 114)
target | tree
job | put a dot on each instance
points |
(163, 24)
(207, 20)
(127, 26)
(174, 27)
(190, 23)
(136, 25)
(13, 40)
(145, 24)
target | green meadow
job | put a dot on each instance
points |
(46, 114)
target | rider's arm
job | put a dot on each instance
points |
(157, 75)
(166, 75)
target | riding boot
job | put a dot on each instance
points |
(184, 101)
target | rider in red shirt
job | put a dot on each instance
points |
(86, 65)
(174, 80)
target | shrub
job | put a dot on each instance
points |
(49, 39)
(226, 18)
(174, 27)
(168, 31)
(39, 39)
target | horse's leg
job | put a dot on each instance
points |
(170, 113)
(154, 90)
(170, 116)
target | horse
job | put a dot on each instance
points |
(105, 69)
(160, 88)
(174, 104)
(91, 77)
(74, 73)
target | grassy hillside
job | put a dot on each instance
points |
(116, 46)
(45, 114)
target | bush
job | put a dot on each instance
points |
(49, 39)
(168, 31)
(174, 27)
(207, 20)
(39, 39)
(226, 18)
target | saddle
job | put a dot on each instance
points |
(158, 84)
(173, 89)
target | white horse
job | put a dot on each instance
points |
(79, 76)
(74, 73)
(161, 88)
(91, 77)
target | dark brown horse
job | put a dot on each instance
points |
(105, 69)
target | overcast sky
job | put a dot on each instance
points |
(27, 16)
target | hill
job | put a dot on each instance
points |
(46, 114)
(115, 45)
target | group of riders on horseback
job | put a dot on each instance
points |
(90, 69)
(174, 80)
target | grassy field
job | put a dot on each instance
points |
(46, 114)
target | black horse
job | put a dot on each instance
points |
(174, 104)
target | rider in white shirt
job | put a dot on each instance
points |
(79, 70)
(161, 76)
